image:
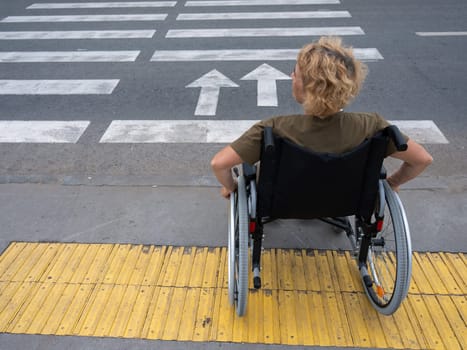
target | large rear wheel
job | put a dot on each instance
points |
(387, 271)
(238, 248)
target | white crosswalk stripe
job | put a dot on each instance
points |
(259, 2)
(58, 87)
(94, 5)
(422, 131)
(225, 131)
(77, 34)
(67, 56)
(170, 131)
(366, 54)
(41, 131)
(441, 33)
(262, 32)
(85, 18)
(262, 15)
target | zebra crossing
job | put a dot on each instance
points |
(67, 56)
(369, 54)
(170, 131)
(183, 10)
(85, 18)
(77, 34)
(57, 87)
(261, 15)
(19, 131)
(259, 2)
(269, 32)
(168, 55)
(95, 5)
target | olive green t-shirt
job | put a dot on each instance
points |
(338, 133)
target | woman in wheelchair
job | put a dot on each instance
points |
(325, 79)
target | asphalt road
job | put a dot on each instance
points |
(420, 78)
(160, 193)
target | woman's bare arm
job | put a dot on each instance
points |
(415, 160)
(221, 165)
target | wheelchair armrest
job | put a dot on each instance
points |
(395, 134)
(249, 171)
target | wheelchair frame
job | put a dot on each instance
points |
(382, 248)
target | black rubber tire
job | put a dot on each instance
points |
(386, 276)
(241, 249)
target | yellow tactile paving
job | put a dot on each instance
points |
(309, 297)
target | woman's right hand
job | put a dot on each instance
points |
(225, 192)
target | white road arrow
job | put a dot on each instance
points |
(210, 85)
(267, 89)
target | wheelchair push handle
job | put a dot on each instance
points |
(399, 140)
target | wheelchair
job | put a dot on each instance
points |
(347, 191)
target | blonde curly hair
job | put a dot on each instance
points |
(331, 75)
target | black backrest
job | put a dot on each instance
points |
(295, 182)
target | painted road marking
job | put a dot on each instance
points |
(42, 131)
(58, 87)
(93, 5)
(77, 34)
(309, 297)
(260, 2)
(210, 84)
(256, 32)
(225, 131)
(261, 15)
(366, 54)
(67, 56)
(266, 77)
(170, 131)
(422, 131)
(85, 18)
(441, 33)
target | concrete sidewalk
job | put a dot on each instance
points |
(197, 216)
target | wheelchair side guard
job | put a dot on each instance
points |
(249, 172)
(255, 227)
(381, 202)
